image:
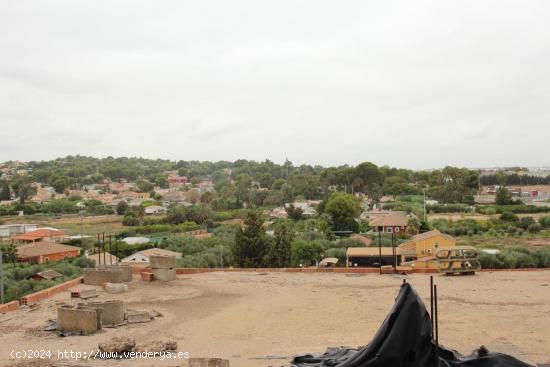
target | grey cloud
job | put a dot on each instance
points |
(411, 84)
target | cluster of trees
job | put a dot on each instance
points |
(515, 258)
(21, 186)
(260, 183)
(59, 206)
(18, 282)
(250, 246)
(502, 178)
(508, 223)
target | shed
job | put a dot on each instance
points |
(47, 275)
(370, 256)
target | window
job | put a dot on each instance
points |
(389, 229)
(396, 229)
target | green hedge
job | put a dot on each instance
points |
(156, 228)
(518, 209)
(516, 258)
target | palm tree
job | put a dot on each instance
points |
(141, 214)
(9, 253)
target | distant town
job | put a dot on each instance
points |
(75, 211)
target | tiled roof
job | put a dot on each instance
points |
(395, 220)
(38, 234)
(43, 248)
(49, 274)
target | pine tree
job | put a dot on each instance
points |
(5, 194)
(251, 244)
(280, 251)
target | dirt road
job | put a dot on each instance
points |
(263, 320)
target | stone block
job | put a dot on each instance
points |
(108, 274)
(79, 319)
(136, 317)
(112, 312)
(162, 262)
(165, 275)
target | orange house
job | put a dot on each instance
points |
(42, 252)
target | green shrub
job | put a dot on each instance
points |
(18, 282)
(544, 221)
(525, 222)
(130, 221)
(543, 257)
(534, 228)
(518, 209)
(490, 261)
(305, 252)
(490, 211)
(509, 217)
(512, 230)
(339, 253)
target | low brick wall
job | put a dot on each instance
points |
(183, 271)
(10, 306)
(45, 293)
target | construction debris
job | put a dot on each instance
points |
(154, 313)
(157, 346)
(125, 344)
(113, 312)
(208, 362)
(87, 318)
(134, 317)
(114, 288)
(83, 293)
(118, 344)
(108, 273)
(78, 319)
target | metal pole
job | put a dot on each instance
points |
(436, 327)
(394, 253)
(432, 302)
(424, 191)
(116, 247)
(98, 250)
(1, 279)
(110, 250)
(380, 252)
(104, 260)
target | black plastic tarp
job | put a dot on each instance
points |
(405, 340)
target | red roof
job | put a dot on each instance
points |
(38, 234)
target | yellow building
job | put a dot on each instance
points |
(420, 250)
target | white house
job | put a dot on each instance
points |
(142, 257)
(155, 209)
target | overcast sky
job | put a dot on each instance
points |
(416, 84)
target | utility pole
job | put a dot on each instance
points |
(424, 191)
(380, 252)
(1, 279)
(81, 213)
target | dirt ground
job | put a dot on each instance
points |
(72, 223)
(261, 320)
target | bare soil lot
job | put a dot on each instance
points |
(256, 319)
